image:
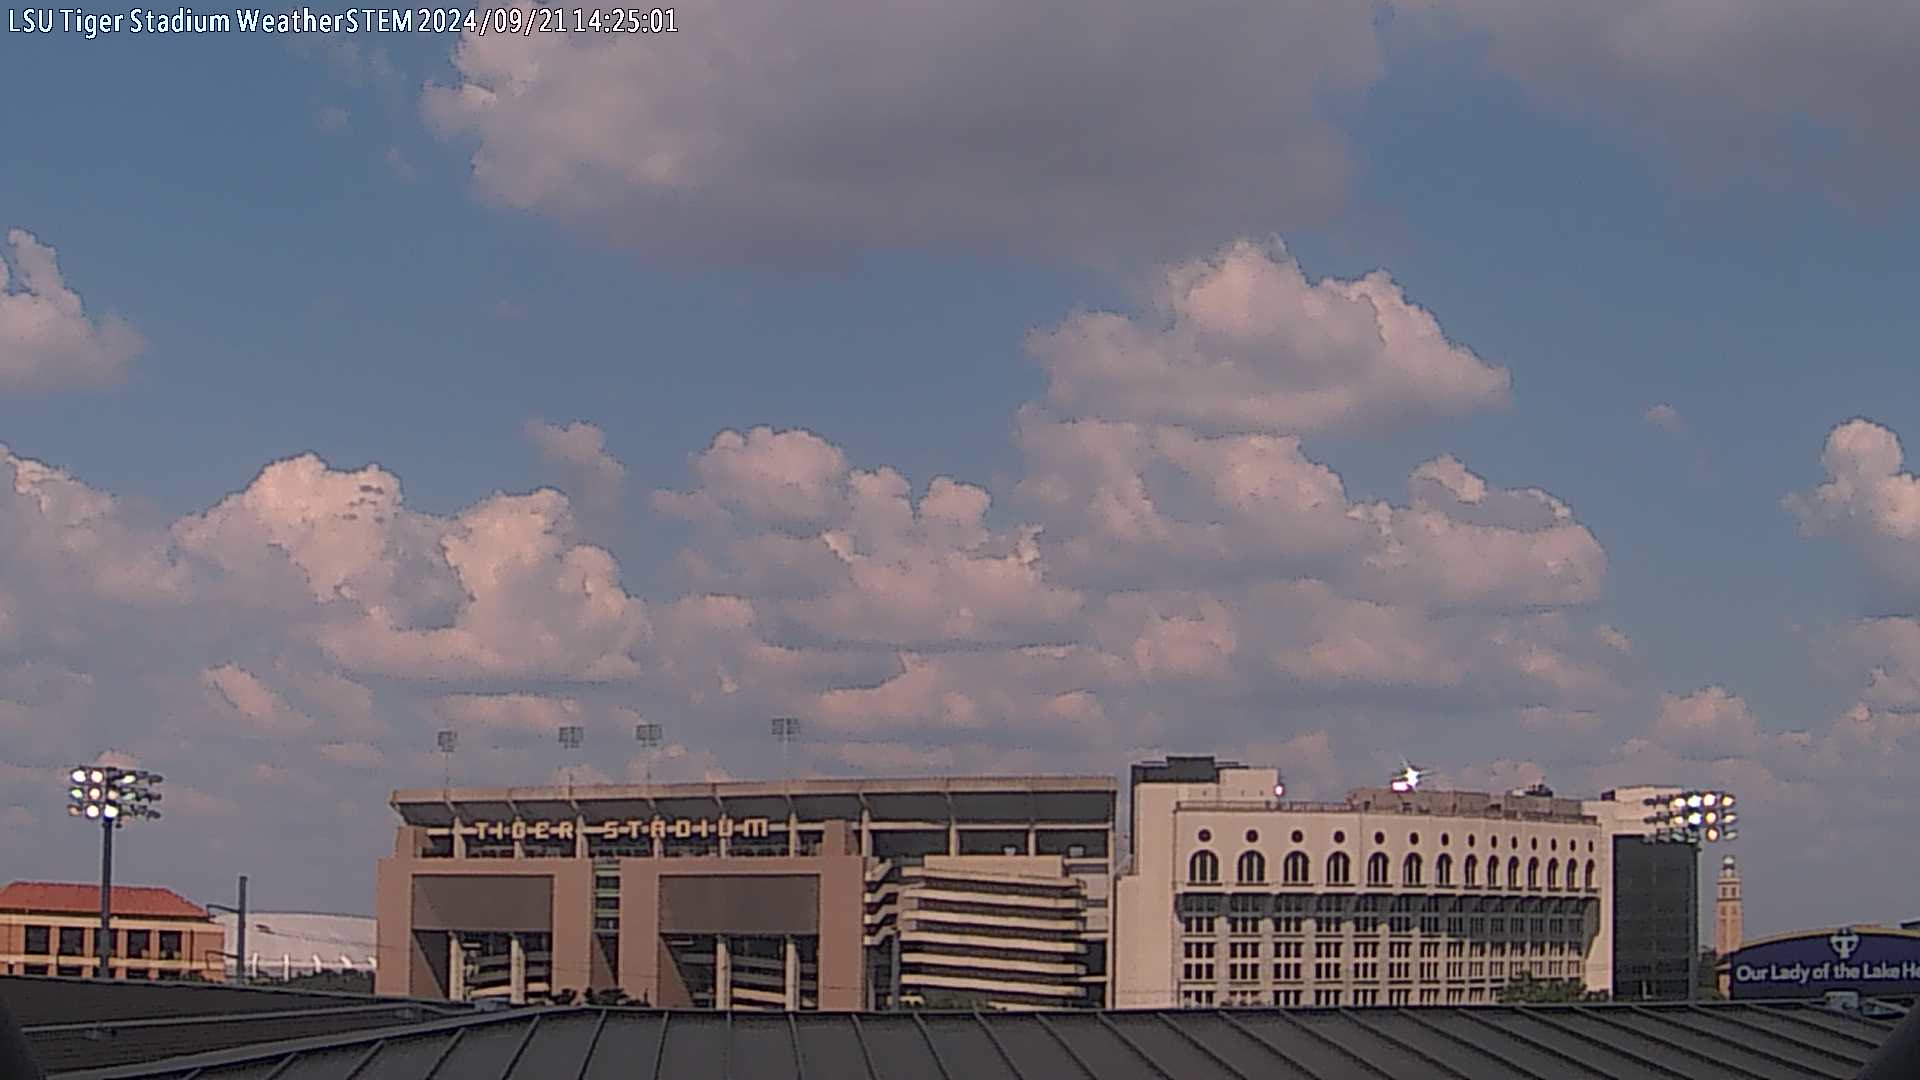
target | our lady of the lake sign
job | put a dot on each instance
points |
(1870, 959)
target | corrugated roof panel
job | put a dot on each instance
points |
(559, 1047)
(629, 1047)
(317, 1065)
(899, 1050)
(1614, 1062)
(1358, 1054)
(763, 1049)
(1318, 1057)
(1237, 1047)
(1097, 1046)
(697, 1045)
(829, 1050)
(487, 1051)
(1837, 1031)
(1449, 1056)
(1685, 1055)
(1668, 1029)
(1516, 1055)
(413, 1057)
(1813, 1055)
(1169, 1051)
(965, 1050)
(1036, 1054)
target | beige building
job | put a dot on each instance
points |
(809, 894)
(52, 928)
(1233, 896)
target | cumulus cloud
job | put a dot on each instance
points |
(761, 136)
(1867, 501)
(581, 449)
(47, 339)
(1243, 341)
(1732, 92)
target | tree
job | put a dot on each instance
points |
(949, 1000)
(344, 982)
(1527, 990)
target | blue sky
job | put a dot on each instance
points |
(313, 266)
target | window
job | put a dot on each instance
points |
(1204, 867)
(1326, 972)
(1197, 924)
(1325, 999)
(1286, 972)
(39, 940)
(73, 941)
(1472, 871)
(1553, 874)
(1252, 868)
(1377, 869)
(1589, 874)
(1340, 869)
(1197, 950)
(1326, 950)
(1297, 867)
(36, 969)
(169, 944)
(1533, 873)
(1243, 925)
(1410, 870)
(139, 943)
(1443, 870)
(1513, 872)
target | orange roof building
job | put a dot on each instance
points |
(51, 927)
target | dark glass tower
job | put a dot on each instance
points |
(1656, 919)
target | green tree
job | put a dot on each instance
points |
(1527, 990)
(344, 982)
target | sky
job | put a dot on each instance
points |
(1512, 387)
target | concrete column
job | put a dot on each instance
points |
(722, 974)
(793, 975)
(953, 836)
(866, 832)
(517, 965)
(1033, 842)
(579, 837)
(456, 969)
(793, 832)
(459, 840)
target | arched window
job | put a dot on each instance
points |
(1298, 868)
(1410, 870)
(1589, 874)
(1513, 872)
(1339, 868)
(1472, 872)
(1443, 870)
(1573, 875)
(1204, 867)
(1252, 868)
(1553, 873)
(1533, 873)
(1377, 869)
(1493, 871)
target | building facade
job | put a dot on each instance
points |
(810, 894)
(1233, 896)
(52, 928)
(285, 944)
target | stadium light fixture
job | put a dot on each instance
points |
(1692, 817)
(110, 795)
(1408, 778)
(786, 729)
(649, 736)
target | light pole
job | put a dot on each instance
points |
(648, 736)
(446, 741)
(110, 795)
(239, 932)
(571, 736)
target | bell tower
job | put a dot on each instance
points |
(1727, 931)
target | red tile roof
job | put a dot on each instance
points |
(71, 899)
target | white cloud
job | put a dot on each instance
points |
(47, 339)
(581, 449)
(1867, 501)
(1665, 417)
(759, 135)
(1244, 342)
(1733, 92)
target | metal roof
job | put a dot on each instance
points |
(1679, 1041)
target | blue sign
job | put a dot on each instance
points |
(1871, 960)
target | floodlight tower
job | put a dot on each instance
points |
(447, 741)
(1693, 817)
(571, 736)
(1408, 778)
(648, 736)
(110, 795)
(787, 730)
